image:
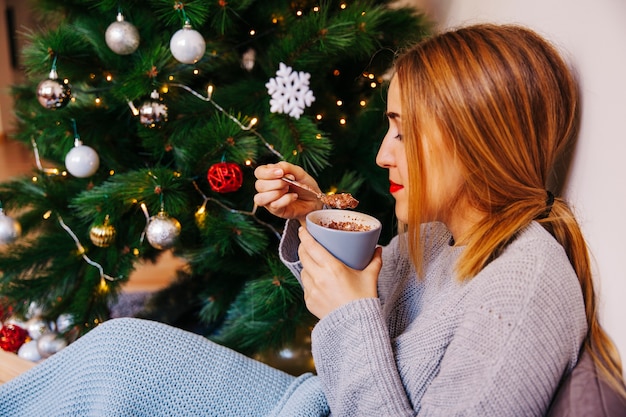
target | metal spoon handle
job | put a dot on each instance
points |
(303, 186)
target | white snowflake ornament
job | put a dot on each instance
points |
(290, 91)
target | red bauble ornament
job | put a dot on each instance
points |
(12, 337)
(225, 177)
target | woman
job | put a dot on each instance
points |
(482, 303)
(478, 307)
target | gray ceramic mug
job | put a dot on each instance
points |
(349, 235)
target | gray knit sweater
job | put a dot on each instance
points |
(496, 345)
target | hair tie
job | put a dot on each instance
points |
(549, 204)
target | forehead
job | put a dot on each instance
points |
(393, 97)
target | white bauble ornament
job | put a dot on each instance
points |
(187, 45)
(64, 322)
(50, 343)
(10, 229)
(34, 310)
(82, 161)
(52, 93)
(29, 351)
(14, 321)
(122, 37)
(162, 231)
(36, 327)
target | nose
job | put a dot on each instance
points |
(384, 157)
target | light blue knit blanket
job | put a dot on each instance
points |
(132, 367)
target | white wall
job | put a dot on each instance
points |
(592, 34)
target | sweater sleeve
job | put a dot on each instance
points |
(288, 248)
(354, 359)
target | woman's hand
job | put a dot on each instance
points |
(278, 197)
(328, 283)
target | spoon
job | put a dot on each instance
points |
(339, 201)
(303, 186)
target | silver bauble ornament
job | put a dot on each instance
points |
(36, 327)
(10, 229)
(29, 351)
(64, 322)
(153, 113)
(187, 45)
(122, 37)
(50, 343)
(248, 59)
(34, 310)
(162, 231)
(82, 161)
(53, 94)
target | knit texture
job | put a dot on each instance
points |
(496, 345)
(132, 367)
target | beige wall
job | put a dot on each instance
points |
(592, 33)
(8, 74)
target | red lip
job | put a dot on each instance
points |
(393, 187)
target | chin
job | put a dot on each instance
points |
(402, 215)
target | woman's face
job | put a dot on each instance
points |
(443, 174)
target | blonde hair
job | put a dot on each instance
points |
(507, 105)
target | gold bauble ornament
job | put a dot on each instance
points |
(102, 235)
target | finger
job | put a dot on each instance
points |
(282, 202)
(308, 244)
(317, 254)
(276, 198)
(269, 185)
(269, 172)
(377, 261)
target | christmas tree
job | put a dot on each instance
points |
(147, 119)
